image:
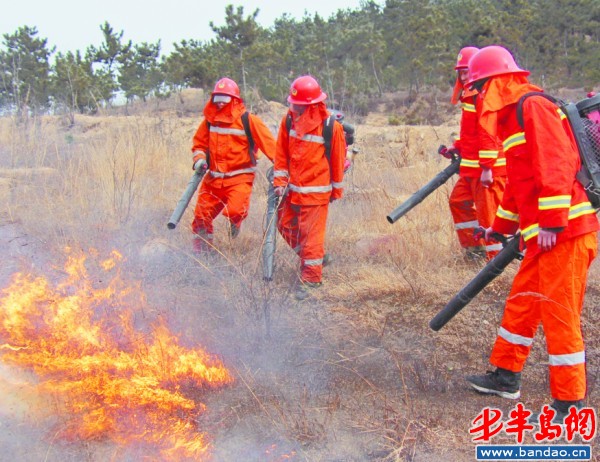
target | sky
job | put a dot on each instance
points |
(71, 25)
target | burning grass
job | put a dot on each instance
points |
(110, 380)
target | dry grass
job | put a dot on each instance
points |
(353, 374)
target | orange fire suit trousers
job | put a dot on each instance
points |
(232, 200)
(549, 288)
(303, 228)
(472, 206)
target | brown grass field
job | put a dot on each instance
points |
(351, 374)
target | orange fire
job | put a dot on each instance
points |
(112, 379)
(273, 456)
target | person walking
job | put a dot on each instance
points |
(482, 172)
(226, 146)
(544, 200)
(308, 173)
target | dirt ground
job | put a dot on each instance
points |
(352, 374)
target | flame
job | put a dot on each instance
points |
(110, 380)
(272, 453)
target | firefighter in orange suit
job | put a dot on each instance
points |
(482, 174)
(306, 178)
(221, 147)
(558, 227)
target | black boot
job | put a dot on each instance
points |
(562, 410)
(501, 382)
(234, 230)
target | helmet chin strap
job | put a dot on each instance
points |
(478, 84)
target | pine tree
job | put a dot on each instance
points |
(24, 71)
(239, 32)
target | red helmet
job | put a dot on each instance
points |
(226, 86)
(305, 90)
(462, 60)
(491, 61)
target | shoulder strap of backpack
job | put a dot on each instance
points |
(207, 149)
(288, 122)
(527, 95)
(251, 145)
(327, 135)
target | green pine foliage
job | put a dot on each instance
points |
(25, 71)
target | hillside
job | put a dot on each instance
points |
(352, 374)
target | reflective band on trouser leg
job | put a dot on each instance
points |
(312, 223)
(520, 321)
(492, 249)
(486, 204)
(287, 222)
(203, 236)
(463, 213)
(563, 275)
(471, 225)
(208, 206)
(237, 202)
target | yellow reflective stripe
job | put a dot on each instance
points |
(507, 215)
(469, 163)
(561, 114)
(584, 208)
(514, 140)
(475, 163)
(488, 154)
(554, 202)
(468, 107)
(530, 231)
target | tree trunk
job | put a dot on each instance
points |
(243, 72)
(376, 76)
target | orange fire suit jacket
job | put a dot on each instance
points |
(467, 143)
(227, 144)
(542, 191)
(491, 150)
(476, 150)
(301, 165)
